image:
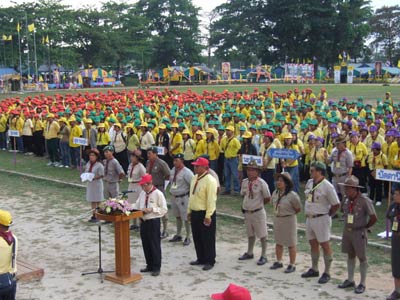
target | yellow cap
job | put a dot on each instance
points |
(186, 131)
(230, 127)
(199, 132)
(5, 218)
(129, 125)
(118, 125)
(50, 115)
(287, 135)
(101, 125)
(88, 121)
(162, 126)
(174, 125)
(64, 120)
(144, 124)
(247, 135)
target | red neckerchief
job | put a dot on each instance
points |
(352, 204)
(91, 166)
(151, 164)
(7, 236)
(148, 195)
(251, 188)
(197, 181)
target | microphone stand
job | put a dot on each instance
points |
(100, 269)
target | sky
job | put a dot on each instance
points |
(205, 5)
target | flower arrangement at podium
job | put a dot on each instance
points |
(115, 206)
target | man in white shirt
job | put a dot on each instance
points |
(153, 204)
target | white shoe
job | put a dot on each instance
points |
(4, 149)
(378, 203)
(67, 167)
(60, 166)
(49, 164)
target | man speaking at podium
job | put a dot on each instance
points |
(154, 206)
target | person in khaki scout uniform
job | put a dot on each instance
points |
(256, 193)
(160, 172)
(231, 147)
(180, 179)
(321, 203)
(359, 216)
(393, 215)
(341, 159)
(286, 205)
(113, 173)
(202, 214)
(8, 245)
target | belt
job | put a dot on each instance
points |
(354, 229)
(340, 175)
(134, 181)
(397, 233)
(251, 211)
(315, 216)
(284, 216)
(230, 157)
(181, 196)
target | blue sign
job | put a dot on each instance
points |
(388, 175)
(283, 153)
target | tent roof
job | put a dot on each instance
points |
(7, 71)
(391, 70)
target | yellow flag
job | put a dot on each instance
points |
(340, 56)
(4, 38)
(348, 57)
(251, 66)
(43, 40)
(9, 38)
(90, 66)
(31, 27)
(47, 39)
(41, 78)
(18, 27)
(398, 63)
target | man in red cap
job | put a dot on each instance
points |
(201, 213)
(153, 204)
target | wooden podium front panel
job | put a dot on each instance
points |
(122, 249)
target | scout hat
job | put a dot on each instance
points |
(252, 165)
(179, 155)
(341, 139)
(146, 178)
(153, 149)
(95, 152)
(5, 218)
(233, 292)
(109, 148)
(286, 177)
(351, 181)
(201, 162)
(137, 153)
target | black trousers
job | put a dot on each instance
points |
(38, 143)
(220, 168)
(361, 174)
(204, 237)
(268, 176)
(122, 158)
(151, 242)
(9, 294)
(28, 143)
(376, 189)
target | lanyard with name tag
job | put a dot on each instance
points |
(395, 226)
(310, 196)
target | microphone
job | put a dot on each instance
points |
(126, 192)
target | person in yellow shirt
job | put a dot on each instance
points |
(201, 213)
(291, 165)
(231, 147)
(3, 130)
(200, 147)
(103, 139)
(360, 153)
(377, 160)
(75, 149)
(212, 149)
(8, 254)
(51, 136)
(176, 140)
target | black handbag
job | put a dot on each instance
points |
(7, 280)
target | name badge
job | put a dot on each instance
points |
(174, 186)
(337, 164)
(309, 197)
(395, 226)
(350, 219)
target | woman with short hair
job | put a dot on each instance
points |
(94, 188)
(286, 205)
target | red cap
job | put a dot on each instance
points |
(146, 178)
(269, 134)
(233, 292)
(201, 161)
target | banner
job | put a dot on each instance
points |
(378, 68)
(299, 71)
(337, 74)
(226, 70)
(246, 159)
(350, 74)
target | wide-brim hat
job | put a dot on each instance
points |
(252, 165)
(352, 181)
(95, 152)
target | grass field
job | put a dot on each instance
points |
(226, 204)
(370, 92)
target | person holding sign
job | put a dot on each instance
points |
(94, 189)
(359, 215)
(376, 160)
(291, 165)
(286, 205)
(393, 214)
(256, 194)
(321, 203)
(75, 149)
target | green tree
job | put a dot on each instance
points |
(385, 27)
(175, 31)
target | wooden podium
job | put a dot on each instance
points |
(122, 274)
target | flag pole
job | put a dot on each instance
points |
(20, 60)
(34, 47)
(27, 42)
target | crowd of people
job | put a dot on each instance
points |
(157, 135)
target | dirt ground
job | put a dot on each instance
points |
(55, 236)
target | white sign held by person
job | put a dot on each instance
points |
(388, 175)
(80, 141)
(13, 133)
(160, 150)
(247, 158)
